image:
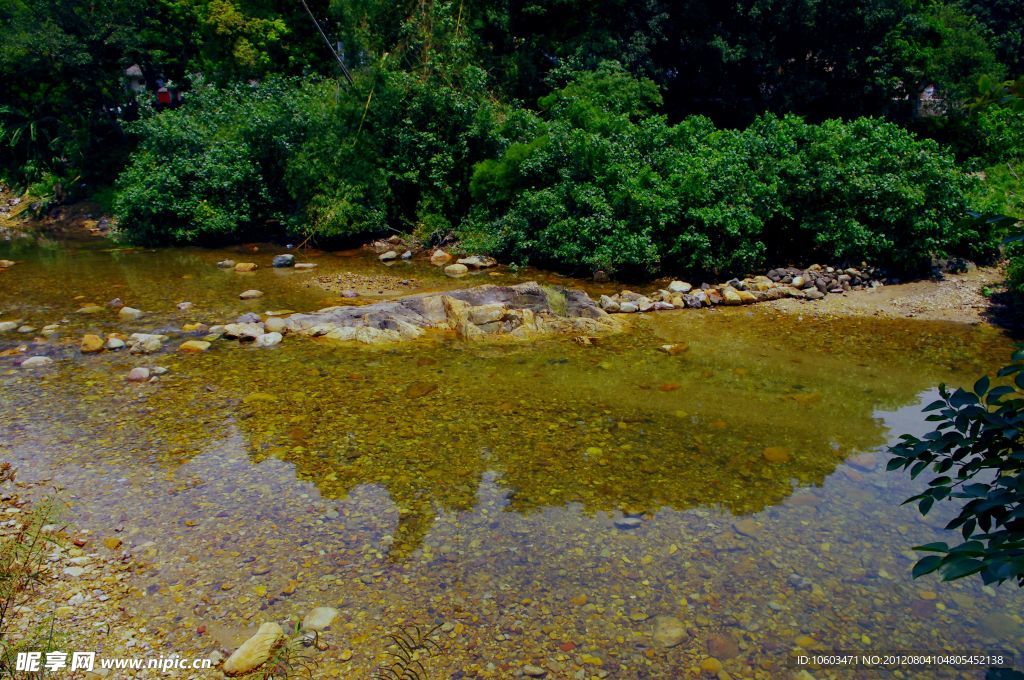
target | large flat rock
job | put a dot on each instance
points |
(519, 311)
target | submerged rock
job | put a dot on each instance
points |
(668, 631)
(282, 261)
(255, 651)
(245, 266)
(226, 264)
(250, 294)
(7, 326)
(319, 618)
(129, 313)
(194, 346)
(305, 265)
(36, 362)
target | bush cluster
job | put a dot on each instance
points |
(594, 178)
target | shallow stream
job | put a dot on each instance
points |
(544, 502)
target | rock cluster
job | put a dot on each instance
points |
(812, 283)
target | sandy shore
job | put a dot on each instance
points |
(956, 297)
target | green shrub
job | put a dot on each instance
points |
(213, 169)
(872, 191)
(597, 183)
(1001, 134)
(397, 156)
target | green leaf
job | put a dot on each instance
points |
(927, 565)
(932, 547)
(958, 569)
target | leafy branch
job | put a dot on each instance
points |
(977, 452)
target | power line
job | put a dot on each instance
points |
(341, 62)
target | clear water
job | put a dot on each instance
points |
(545, 500)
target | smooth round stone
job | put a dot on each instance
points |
(129, 313)
(36, 362)
(269, 339)
(139, 374)
(319, 618)
(274, 324)
(456, 270)
(250, 294)
(628, 522)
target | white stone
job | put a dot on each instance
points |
(319, 618)
(269, 339)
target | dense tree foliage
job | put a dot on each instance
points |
(636, 137)
(600, 184)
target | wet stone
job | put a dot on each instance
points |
(722, 646)
(319, 618)
(668, 631)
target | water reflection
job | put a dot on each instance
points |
(546, 500)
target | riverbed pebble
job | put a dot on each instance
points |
(138, 374)
(668, 631)
(91, 343)
(250, 294)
